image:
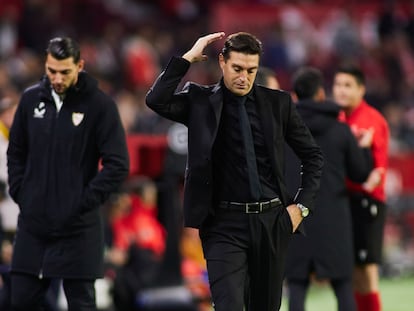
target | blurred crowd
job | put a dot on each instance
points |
(125, 44)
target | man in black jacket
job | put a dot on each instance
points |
(234, 187)
(65, 127)
(326, 251)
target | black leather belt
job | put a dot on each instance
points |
(251, 208)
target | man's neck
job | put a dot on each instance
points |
(349, 110)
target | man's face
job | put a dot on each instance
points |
(239, 71)
(346, 91)
(62, 73)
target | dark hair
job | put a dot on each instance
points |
(62, 48)
(242, 42)
(354, 71)
(306, 82)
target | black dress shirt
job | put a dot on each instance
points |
(231, 181)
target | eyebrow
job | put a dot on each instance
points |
(64, 71)
(248, 69)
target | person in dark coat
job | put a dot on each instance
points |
(67, 153)
(244, 213)
(326, 251)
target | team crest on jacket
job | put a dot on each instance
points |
(39, 111)
(77, 118)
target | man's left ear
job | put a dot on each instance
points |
(81, 65)
(320, 94)
(363, 90)
(294, 97)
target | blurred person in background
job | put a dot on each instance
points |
(139, 239)
(267, 77)
(67, 153)
(8, 209)
(326, 252)
(194, 267)
(234, 191)
(367, 198)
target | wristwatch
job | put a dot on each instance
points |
(304, 210)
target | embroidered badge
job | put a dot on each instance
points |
(39, 111)
(77, 118)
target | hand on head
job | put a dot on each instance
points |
(196, 53)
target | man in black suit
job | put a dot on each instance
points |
(234, 187)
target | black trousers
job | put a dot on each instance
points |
(298, 288)
(241, 247)
(28, 292)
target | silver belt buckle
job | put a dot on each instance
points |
(261, 206)
(248, 205)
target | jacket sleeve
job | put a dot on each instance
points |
(112, 148)
(17, 152)
(163, 97)
(310, 155)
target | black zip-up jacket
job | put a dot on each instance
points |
(63, 165)
(327, 249)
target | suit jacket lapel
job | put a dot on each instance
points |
(265, 111)
(267, 114)
(216, 101)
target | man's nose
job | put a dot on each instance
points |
(57, 78)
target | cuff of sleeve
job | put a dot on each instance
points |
(301, 229)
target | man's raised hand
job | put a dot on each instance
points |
(196, 53)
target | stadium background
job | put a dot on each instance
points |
(127, 42)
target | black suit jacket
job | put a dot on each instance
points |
(199, 108)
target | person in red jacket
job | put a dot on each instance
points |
(367, 198)
(138, 243)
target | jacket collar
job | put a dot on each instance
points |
(216, 101)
